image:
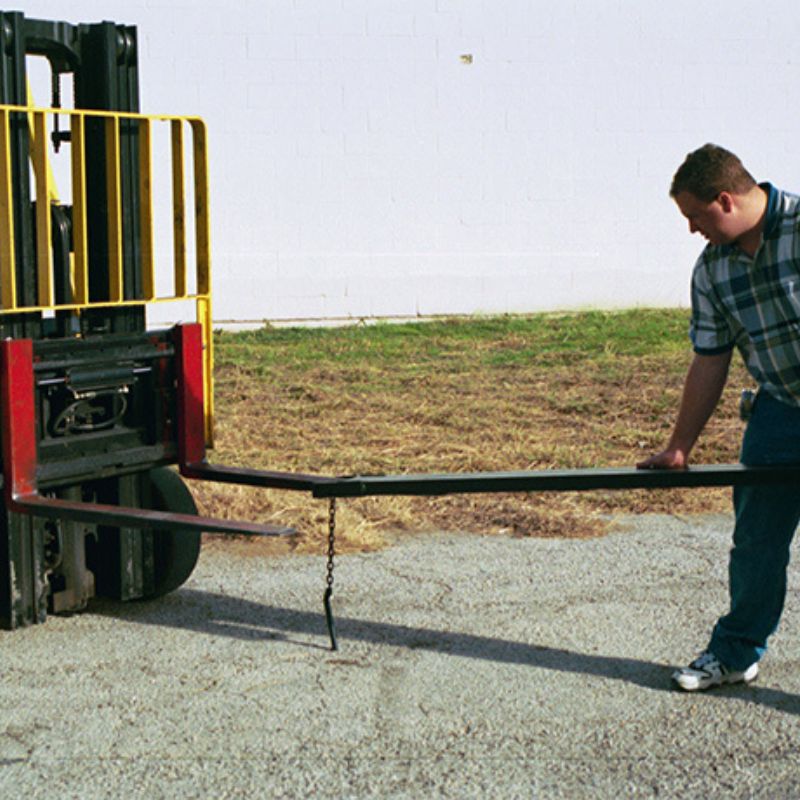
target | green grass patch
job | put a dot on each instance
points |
(461, 343)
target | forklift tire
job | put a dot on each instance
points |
(175, 552)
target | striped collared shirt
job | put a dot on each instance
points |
(754, 303)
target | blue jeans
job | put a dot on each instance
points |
(766, 519)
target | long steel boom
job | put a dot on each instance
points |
(555, 480)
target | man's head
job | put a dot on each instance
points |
(718, 196)
(710, 170)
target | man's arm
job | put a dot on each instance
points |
(701, 392)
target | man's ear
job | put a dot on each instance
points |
(725, 199)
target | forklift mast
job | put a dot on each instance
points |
(102, 59)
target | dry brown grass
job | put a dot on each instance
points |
(458, 416)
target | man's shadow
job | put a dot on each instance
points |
(223, 615)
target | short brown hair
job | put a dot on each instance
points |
(710, 170)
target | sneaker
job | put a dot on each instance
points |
(707, 670)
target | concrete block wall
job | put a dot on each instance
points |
(395, 158)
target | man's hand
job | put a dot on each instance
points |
(666, 459)
(701, 391)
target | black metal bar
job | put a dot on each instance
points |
(119, 516)
(295, 481)
(555, 480)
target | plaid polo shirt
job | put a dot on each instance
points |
(754, 303)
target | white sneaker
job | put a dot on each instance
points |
(707, 670)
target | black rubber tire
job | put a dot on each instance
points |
(175, 552)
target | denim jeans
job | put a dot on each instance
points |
(766, 519)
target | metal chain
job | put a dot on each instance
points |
(329, 576)
(331, 540)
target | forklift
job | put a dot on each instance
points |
(92, 403)
(102, 416)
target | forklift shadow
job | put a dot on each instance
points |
(222, 615)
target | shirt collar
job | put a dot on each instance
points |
(773, 206)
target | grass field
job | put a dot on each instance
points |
(506, 393)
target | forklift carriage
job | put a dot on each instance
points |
(95, 407)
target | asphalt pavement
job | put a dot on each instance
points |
(468, 667)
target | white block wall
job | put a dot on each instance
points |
(362, 167)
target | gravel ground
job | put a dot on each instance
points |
(468, 667)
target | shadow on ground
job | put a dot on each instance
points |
(223, 615)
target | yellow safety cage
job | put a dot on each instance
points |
(45, 188)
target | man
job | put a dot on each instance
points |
(745, 294)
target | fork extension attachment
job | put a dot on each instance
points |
(568, 480)
(192, 455)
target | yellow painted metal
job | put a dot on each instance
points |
(146, 209)
(45, 187)
(36, 137)
(201, 209)
(202, 224)
(107, 304)
(178, 208)
(8, 279)
(80, 233)
(204, 317)
(43, 178)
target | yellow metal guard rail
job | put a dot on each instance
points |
(79, 278)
